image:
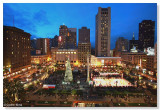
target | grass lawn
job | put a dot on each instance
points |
(154, 105)
(118, 104)
(137, 104)
(65, 102)
(46, 102)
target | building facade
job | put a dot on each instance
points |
(146, 34)
(155, 57)
(105, 62)
(73, 33)
(84, 49)
(33, 46)
(103, 30)
(84, 35)
(54, 41)
(134, 58)
(39, 59)
(60, 56)
(84, 46)
(122, 44)
(67, 37)
(43, 45)
(16, 50)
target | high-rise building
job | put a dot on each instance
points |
(84, 45)
(33, 46)
(103, 30)
(43, 45)
(16, 50)
(54, 41)
(73, 33)
(84, 35)
(67, 37)
(146, 34)
(122, 44)
(63, 33)
(134, 43)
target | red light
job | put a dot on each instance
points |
(60, 38)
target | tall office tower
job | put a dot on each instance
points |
(73, 32)
(103, 30)
(84, 45)
(122, 44)
(43, 45)
(16, 50)
(63, 33)
(146, 34)
(134, 43)
(67, 37)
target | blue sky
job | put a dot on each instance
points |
(43, 19)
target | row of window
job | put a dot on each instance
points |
(65, 52)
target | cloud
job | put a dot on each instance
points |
(40, 17)
(19, 18)
(23, 18)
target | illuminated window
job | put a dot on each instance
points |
(12, 53)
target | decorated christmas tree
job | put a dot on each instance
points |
(68, 73)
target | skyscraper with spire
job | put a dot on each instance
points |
(133, 38)
(133, 42)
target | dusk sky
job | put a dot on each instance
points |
(43, 20)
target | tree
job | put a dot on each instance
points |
(13, 91)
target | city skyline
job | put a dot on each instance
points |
(41, 23)
(55, 72)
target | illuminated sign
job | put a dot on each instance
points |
(46, 86)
